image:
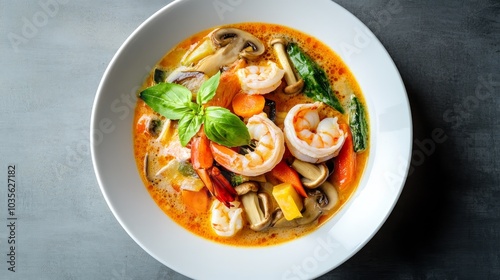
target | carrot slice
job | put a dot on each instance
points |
(196, 202)
(247, 105)
(345, 162)
(286, 174)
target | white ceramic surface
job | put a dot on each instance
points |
(306, 257)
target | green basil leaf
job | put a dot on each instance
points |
(167, 99)
(225, 128)
(207, 89)
(189, 125)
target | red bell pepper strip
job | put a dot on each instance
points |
(345, 162)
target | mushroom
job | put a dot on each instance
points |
(313, 175)
(231, 44)
(146, 166)
(319, 200)
(294, 85)
(190, 79)
(326, 196)
(257, 209)
(311, 213)
(246, 187)
(257, 205)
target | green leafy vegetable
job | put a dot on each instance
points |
(225, 128)
(207, 89)
(160, 76)
(358, 125)
(316, 84)
(173, 105)
(174, 102)
(189, 125)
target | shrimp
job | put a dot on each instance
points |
(260, 79)
(211, 176)
(226, 221)
(310, 139)
(265, 154)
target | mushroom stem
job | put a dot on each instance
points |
(258, 210)
(293, 85)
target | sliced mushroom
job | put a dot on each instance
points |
(146, 166)
(294, 85)
(326, 196)
(151, 168)
(313, 175)
(311, 213)
(231, 44)
(257, 209)
(188, 78)
(247, 187)
(331, 194)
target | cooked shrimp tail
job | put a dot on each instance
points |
(202, 161)
(222, 188)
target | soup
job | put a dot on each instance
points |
(250, 134)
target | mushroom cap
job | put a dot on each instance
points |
(326, 196)
(246, 187)
(248, 45)
(231, 44)
(313, 175)
(311, 213)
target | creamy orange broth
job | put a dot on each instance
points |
(168, 198)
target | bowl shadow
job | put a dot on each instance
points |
(418, 220)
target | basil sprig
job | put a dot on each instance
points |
(174, 102)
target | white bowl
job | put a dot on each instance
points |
(306, 257)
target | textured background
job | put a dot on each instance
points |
(445, 226)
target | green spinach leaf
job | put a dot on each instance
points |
(316, 84)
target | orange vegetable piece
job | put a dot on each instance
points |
(345, 162)
(287, 174)
(229, 86)
(247, 105)
(201, 156)
(196, 202)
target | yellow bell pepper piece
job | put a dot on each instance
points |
(288, 200)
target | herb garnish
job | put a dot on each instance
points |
(174, 102)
